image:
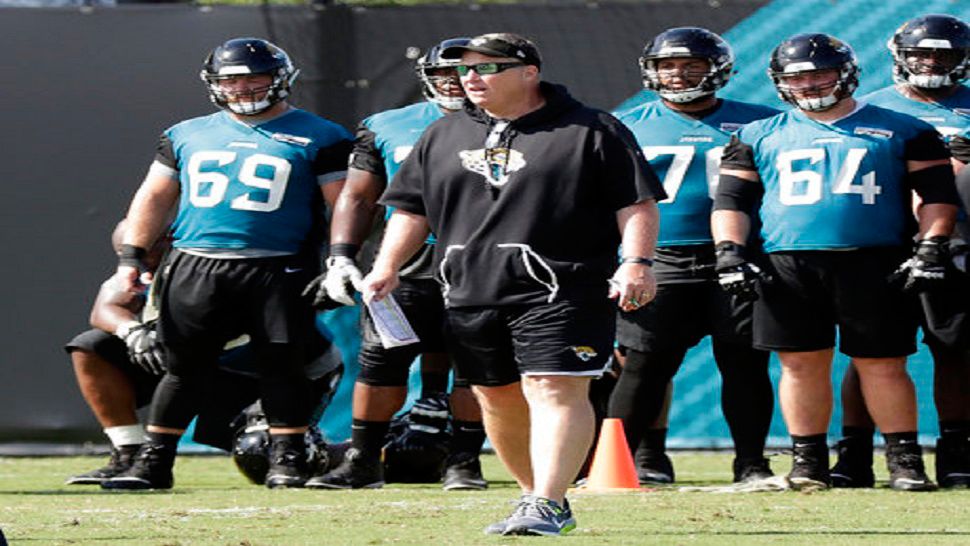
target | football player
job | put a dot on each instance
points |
(383, 142)
(931, 60)
(119, 363)
(831, 180)
(249, 182)
(682, 135)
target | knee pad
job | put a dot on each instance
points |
(380, 367)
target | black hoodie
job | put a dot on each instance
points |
(531, 218)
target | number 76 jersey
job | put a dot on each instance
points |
(685, 153)
(253, 187)
(834, 185)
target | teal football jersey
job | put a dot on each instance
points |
(685, 153)
(833, 186)
(950, 116)
(384, 140)
(252, 187)
(394, 134)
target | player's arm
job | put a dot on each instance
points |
(113, 307)
(634, 282)
(147, 217)
(930, 175)
(354, 211)
(739, 192)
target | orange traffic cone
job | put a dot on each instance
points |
(612, 468)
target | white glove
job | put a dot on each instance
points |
(342, 280)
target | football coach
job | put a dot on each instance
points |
(530, 194)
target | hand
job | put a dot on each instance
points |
(633, 286)
(144, 348)
(378, 284)
(736, 275)
(342, 280)
(335, 287)
(927, 268)
(130, 279)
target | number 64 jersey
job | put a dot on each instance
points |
(253, 187)
(836, 185)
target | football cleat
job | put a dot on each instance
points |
(122, 458)
(751, 470)
(357, 471)
(463, 472)
(654, 467)
(853, 468)
(810, 467)
(906, 471)
(953, 463)
(152, 469)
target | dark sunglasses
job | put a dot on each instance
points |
(485, 68)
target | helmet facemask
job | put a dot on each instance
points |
(911, 65)
(843, 87)
(710, 81)
(250, 101)
(434, 84)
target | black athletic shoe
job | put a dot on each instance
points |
(654, 467)
(122, 458)
(906, 470)
(357, 471)
(953, 463)
(287, 467)
(853, 469)
(464, 473)
(152, 469)
(751, 470)
(810, 467)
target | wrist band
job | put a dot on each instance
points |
(132, 256)
(636, 260)
(348, 250)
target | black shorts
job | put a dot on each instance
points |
(681, 315)
(421, 301)
(205, 302)
(113, 350)
(495, 346)
(814, 292)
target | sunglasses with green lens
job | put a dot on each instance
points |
(485, 68)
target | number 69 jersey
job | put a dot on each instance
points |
(685, 153)
(253, 187)
(834, 185)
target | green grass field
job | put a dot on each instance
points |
(213, 504)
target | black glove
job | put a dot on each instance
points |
(144, 348)
(735, 274)
(927, 268)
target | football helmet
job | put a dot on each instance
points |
(418, 443)
(243, 56)
(687, 42)
(944, 38)
(251, 446)
(810, 53)
(429, 63)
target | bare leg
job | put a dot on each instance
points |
(889, 393)
(560, 406)
(505, 414)
(805, 391)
